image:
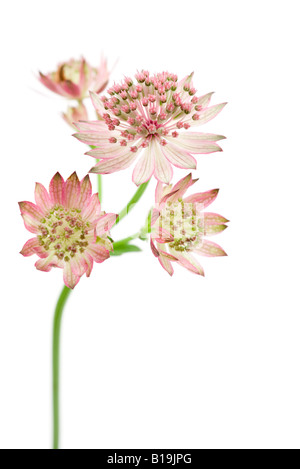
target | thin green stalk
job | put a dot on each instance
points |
(99, 180)
(142, 234)
(138, 194)
(55, 361)
(123, 241)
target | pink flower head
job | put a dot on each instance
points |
(150, 119)
(71, 231)
(75, 78)
(75, 113)
(179, 226)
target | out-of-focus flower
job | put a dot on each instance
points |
(71, 231)
(75, 78)
(74, 114)
(149, 118)
(179, 226)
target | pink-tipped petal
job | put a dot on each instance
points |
(72, 191)
(158, 192)
(105, 223)
(97, 126)
(49, 83)
(193, 145)
(208, 114)
(168, 196)
(179, 157)
(32, 216)
(161, 235)
(163, 170)
(214, 219)
(93, 209)
(85, 191)
(154, 216)
(90, 262)
(70, 89)
(79, 266)
(46, 263)
(42, 197)
(31, 247)
(144, 168)
(204, 198)
(189, 262)
(99, 253)
(181, 187)
(57, 190)
(115, 164)
(166, 264)
(70, 278)
(153, 248)
(205, 99)
(167, 255)
(98, 104)
(211, 230)
(210, 249)
(197, 137)
(28, 208)
(96, 138)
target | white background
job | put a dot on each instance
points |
(150, 361)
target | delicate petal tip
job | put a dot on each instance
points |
(210, 249)
(72, 190)
(154, 249)
(105, 223)
(31, 247)
(70, 279)
(94, 170)
(57, 189)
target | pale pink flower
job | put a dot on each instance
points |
(71, 231)
(150, 119)
(75, 113)
(75, 78)
(179, 226)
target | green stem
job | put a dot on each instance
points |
(99, 180)
(138, 194)
(120, 242)
(55, 361)
(142, 234)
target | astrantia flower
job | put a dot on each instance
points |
(75, 113)
(71, 231)
(179, 226)
(75, 78)
(150, 119)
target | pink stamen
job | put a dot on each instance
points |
(133, 149)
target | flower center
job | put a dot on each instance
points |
(69, 71)
(184, 222)
(64, 232)
(152, 107)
